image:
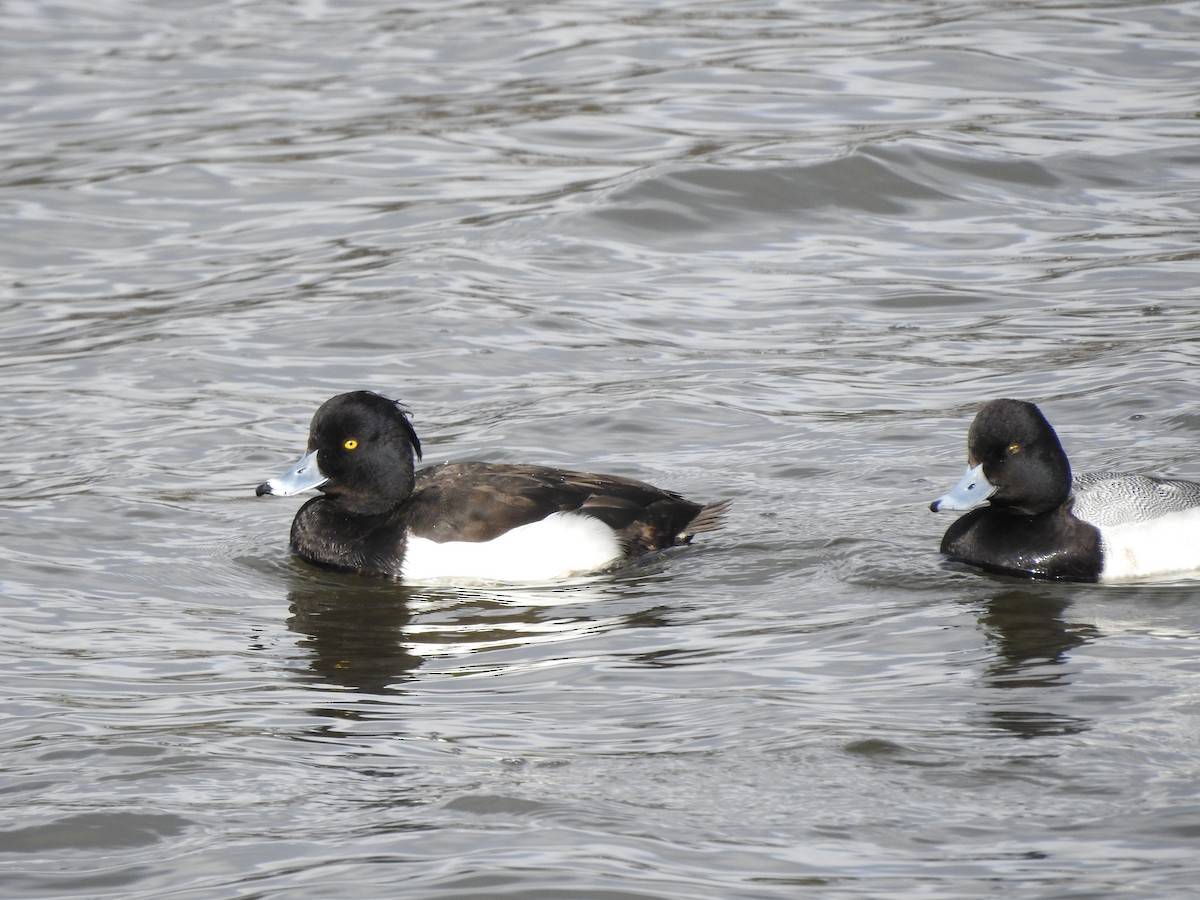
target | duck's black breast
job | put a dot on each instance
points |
(327, 536)
(476, 501)
(1053, 545)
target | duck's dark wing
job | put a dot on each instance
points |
(479, 501)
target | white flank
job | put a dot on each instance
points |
(558, 546)
(1165, 546)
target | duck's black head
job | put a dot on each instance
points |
(365, 447)
(1021, 456)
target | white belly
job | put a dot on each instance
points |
(557, 547)
(1166, 546)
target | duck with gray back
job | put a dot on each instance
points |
(1026, 516)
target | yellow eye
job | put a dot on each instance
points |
(1014, 448)
(350, 444)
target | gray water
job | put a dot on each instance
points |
(774, 251)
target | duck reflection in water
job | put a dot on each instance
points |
(355, 633)
(370, 637)
(1033, 641)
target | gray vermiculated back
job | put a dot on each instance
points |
(1107, 499)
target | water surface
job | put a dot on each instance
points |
(775, 251)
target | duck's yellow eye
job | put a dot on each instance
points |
(1014, 448)
(350, 444)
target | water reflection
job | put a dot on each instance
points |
(1030, 633)
(372, 637)
(355, 634)
(1033, 640)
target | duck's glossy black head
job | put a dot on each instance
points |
(364, 446)
(1021, 457)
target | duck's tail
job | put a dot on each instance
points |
(709, 518)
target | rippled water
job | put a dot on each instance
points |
(778, 251)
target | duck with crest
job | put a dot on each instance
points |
(465, 521)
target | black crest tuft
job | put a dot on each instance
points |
(412, 434)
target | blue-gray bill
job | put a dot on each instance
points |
(971, 491)
(303, 476)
